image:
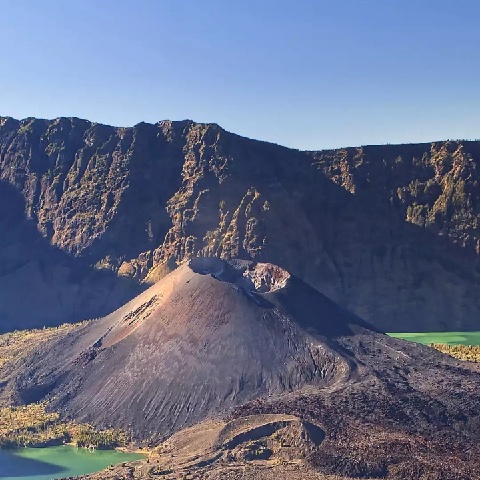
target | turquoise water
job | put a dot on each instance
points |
(57, 462)
(450, 338)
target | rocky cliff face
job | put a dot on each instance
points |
(390, 232)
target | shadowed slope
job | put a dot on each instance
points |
(40, 284)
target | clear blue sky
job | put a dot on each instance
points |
(308, 74)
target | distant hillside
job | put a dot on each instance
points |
(390, 232)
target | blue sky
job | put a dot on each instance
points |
(308, 74)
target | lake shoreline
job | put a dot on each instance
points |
(448, 338)
(47, 463)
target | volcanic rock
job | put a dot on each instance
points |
(244, 362)
(389, 232)
(209, 336)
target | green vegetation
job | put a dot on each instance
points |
(86, 435)
(470, 353)
(33, 425)
(447, 338)
(29, 425)
(460, 345)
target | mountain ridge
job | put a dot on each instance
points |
(426, 143)
(390, 232)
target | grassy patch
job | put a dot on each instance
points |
(32, 425)
(460, 345)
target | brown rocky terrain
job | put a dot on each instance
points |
(207, 337)
(239, 369)
(389, 232)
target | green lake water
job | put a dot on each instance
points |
(450, 338)
(57, 462)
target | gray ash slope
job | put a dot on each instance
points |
(214, 335)
(238, 339)
(210, 336)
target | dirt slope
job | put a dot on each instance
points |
(210, 336)
(290, 384)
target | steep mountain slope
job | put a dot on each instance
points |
(433, 186)
(209, 336)
(41, 285)
(390, 232)
(275, 370)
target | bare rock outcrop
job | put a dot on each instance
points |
(389, 232)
